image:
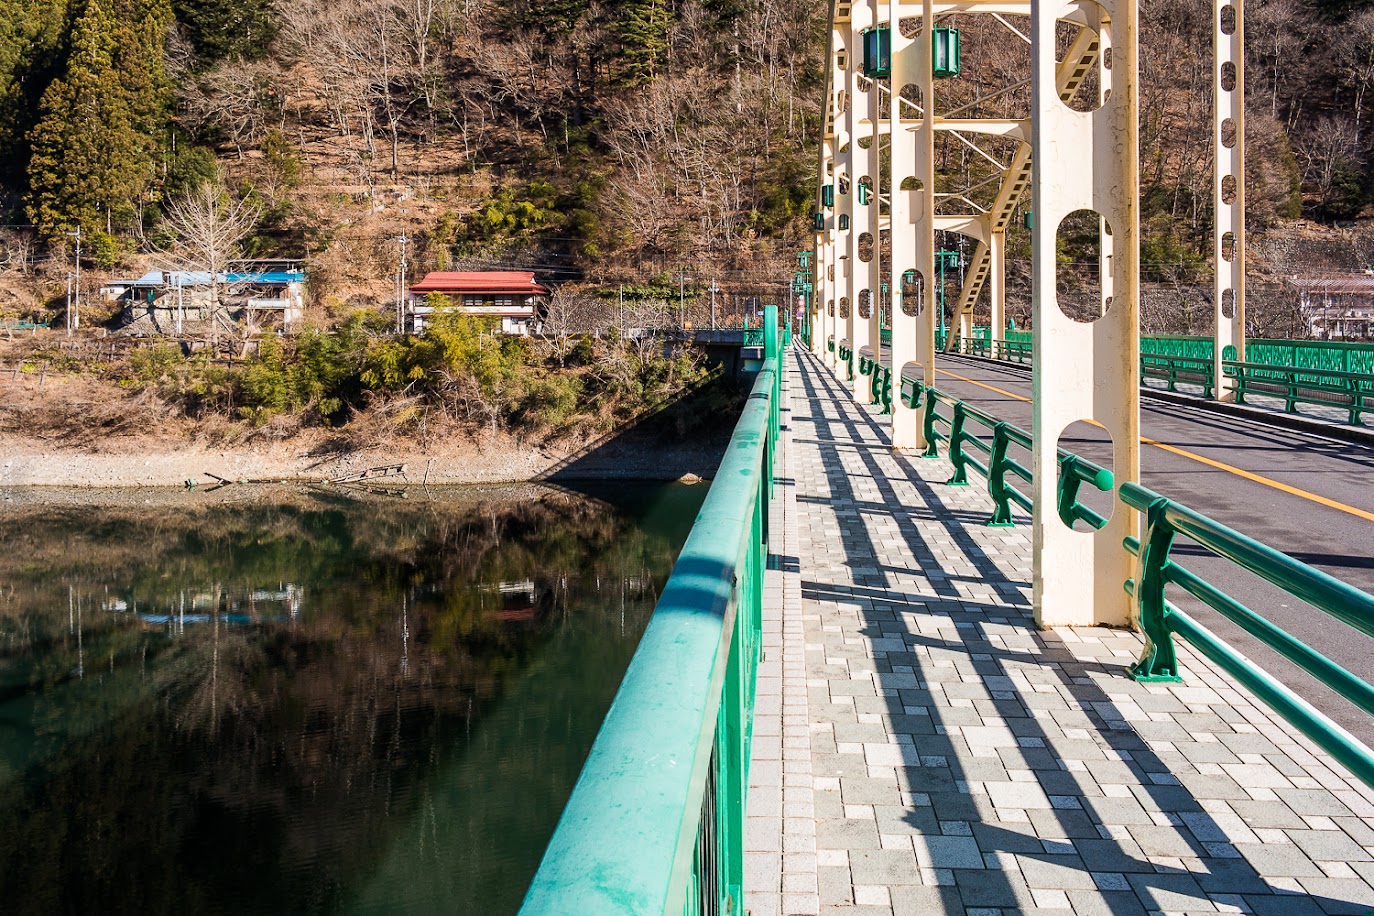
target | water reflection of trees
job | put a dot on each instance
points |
(156, 764)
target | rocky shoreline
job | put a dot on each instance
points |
(33, 464)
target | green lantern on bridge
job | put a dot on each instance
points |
(819, 221)
(944, 59)
(877, 53)
(828, 195)
(844, 221)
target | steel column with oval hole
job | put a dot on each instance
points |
(1228, 233)
(1084, 160)
(858, 126)
(868, 218)
(912, 131)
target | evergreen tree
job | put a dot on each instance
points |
(84, 143)
(31, 34)
(227, 28)
(95, 143)
(639, 29)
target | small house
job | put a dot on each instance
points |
(165, 301)
(513, 296)
(1337, 307)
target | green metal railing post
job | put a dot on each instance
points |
(928, 424)
(956, 447)
(1158, 661)
(998, 467)
(772, 352)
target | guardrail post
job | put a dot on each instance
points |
(956, 447)
(997, 482)
(1067, 496)
(1158, 661)
(932, 444)
(772, 355)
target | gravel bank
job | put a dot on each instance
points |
(26, 463)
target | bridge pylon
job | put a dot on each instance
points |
(1067, 159)
(1084, 160)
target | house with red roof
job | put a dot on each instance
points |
(510, 295)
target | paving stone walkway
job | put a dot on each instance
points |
(956, 760)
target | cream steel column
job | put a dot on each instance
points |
(997, 287)
(923, 200)
(907, 208)
(856, 127)
(1228, 190)
(1104, 237)
(844, 238)
(870, 216)
(1084, 371)
(819, 287)
(835, 136)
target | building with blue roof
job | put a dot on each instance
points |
(256, 296)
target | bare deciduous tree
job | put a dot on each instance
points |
(207, 228)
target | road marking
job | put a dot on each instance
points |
(1219, 465)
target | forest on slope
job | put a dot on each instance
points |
(639, 141)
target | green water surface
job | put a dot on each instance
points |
(307, 701)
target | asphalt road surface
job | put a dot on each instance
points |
(1308, 496)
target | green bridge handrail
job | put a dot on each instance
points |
(1161, 619)
(1354, 391)
(655, 823)
(1074, 471)
(1164, 519)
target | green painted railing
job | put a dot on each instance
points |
(1323, 355)
(847, 357)
(1165, 519)
(1162, 620)
(655, 823)
(1010, 350)
(1351, 391)
(964, 446)
(979, 333)
(1332, 356)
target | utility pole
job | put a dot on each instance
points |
(69, 303)
(714, 290)
(681, 299)
(401, 287)
(74, 318)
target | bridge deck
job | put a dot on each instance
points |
(922, 748)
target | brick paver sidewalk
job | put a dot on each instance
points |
(962, 761)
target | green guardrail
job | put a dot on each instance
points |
(655, 823)
(1326, 355)
(1165, 520)
(1322, 355)
(847, 357)
(1351, 391)
(1010, 350)
(1161, 620)
(965, 445)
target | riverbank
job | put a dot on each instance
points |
(26, 462)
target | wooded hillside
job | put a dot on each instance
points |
(624, 140)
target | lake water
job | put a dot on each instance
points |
(270, 700)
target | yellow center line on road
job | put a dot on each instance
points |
(1219, 465)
